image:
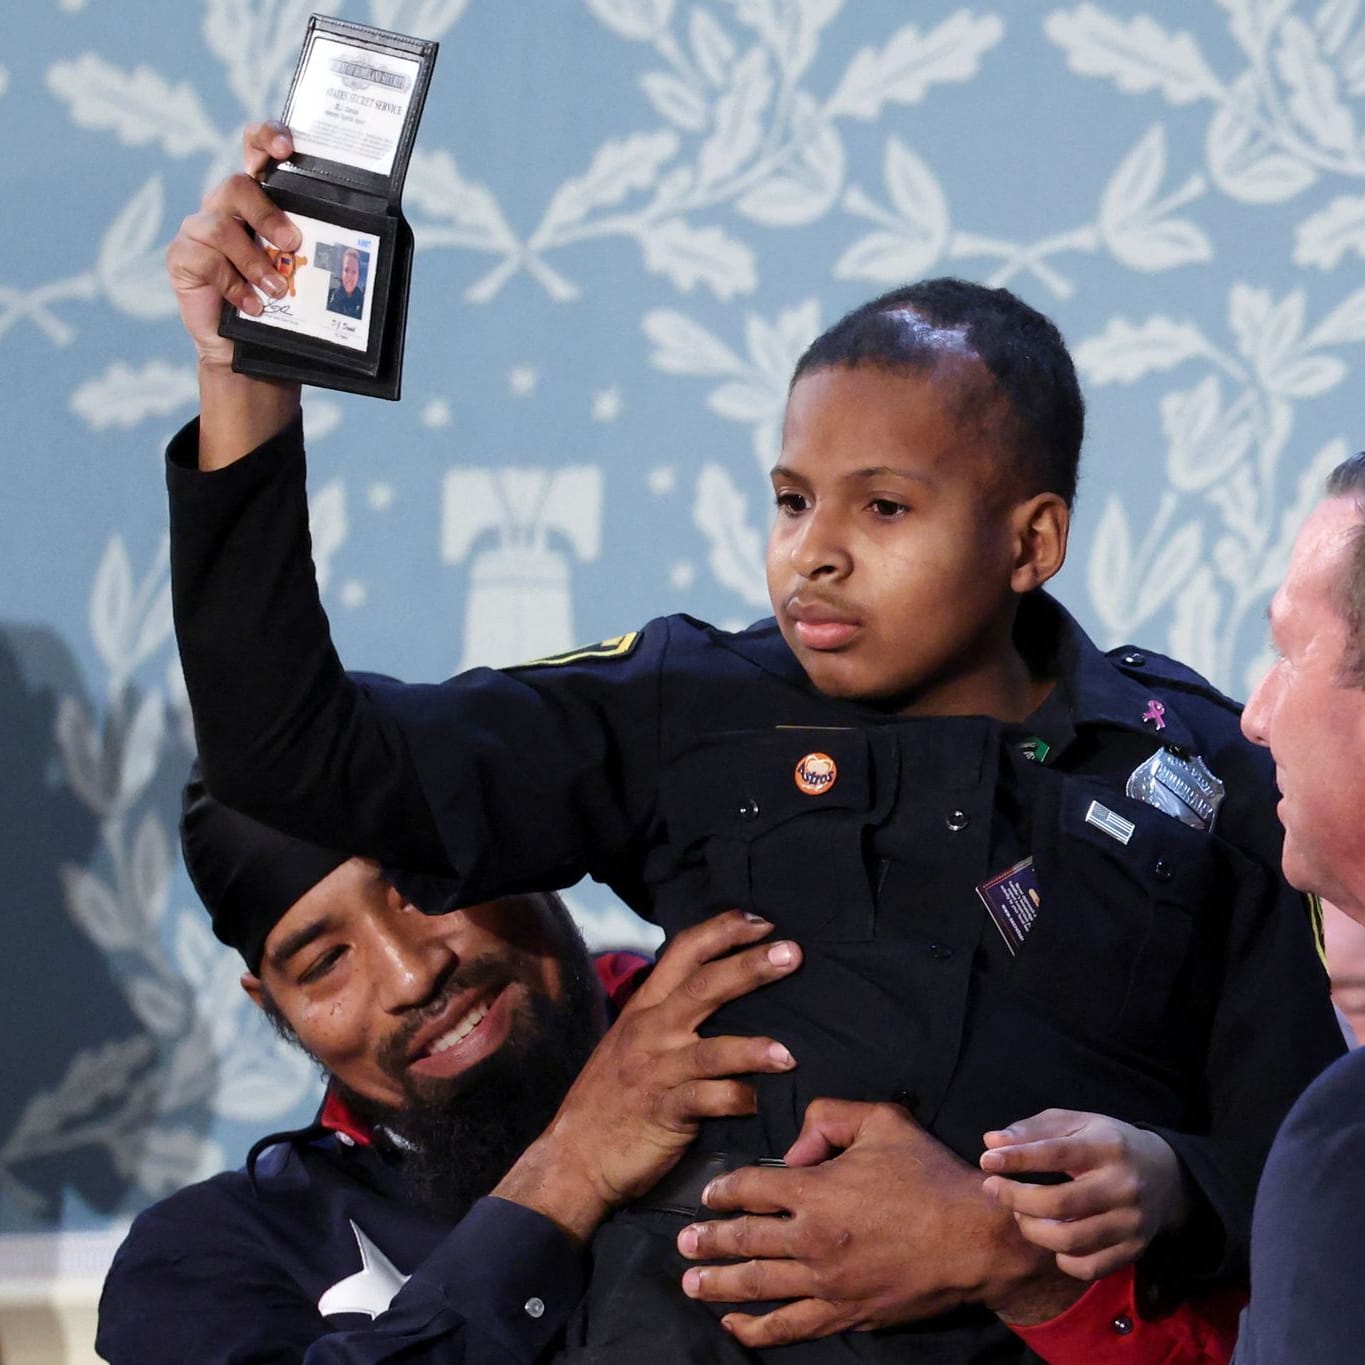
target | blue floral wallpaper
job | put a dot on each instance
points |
(631, 216)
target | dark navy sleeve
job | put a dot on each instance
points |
(497, 1291)
(1306, 1303)
(1272, 1031)
(558, 761)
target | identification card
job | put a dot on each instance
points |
(1011, 899)
(331, 279)
(350, 102)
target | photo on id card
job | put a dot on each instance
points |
(330, 285)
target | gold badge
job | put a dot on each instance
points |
(816, 774)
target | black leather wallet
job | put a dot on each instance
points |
(353, 110)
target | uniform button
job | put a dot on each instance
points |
(748, 809)
(535, 1308)
(346, 1139)
(1135, 658)
(957, 820)
(940, 952)
(1122, 1324)
(1161, 870)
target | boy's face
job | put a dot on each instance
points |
(896, 540)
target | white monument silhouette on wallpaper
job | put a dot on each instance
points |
(520, 603)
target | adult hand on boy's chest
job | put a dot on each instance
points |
(873, 1223)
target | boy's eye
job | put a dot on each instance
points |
(320, 966)
(887, 507)
(791, 502)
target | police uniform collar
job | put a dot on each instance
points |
(762, 644)
(1095, 687)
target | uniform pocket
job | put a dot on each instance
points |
(779, 816)
(1128, 898)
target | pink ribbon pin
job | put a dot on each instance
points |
(1156, 713)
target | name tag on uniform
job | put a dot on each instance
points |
(1180, 786)
(1011, 900)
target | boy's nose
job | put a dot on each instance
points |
(819, 552)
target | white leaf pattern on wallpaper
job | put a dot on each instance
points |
(1324, 238)
(682, 346)
(1124, 352)
(638, 20)
(618, 168)
(677, 101)
(1278, 126)
(138, 106)
(736, 554)
(1314, 101)
(124, 397)
(151, 870)
(258, 43)
(803, 186)
(131, 266)
(1246, 162)
(920, 223)
(1137, 54)
(905, 69)
(737, 127)
(96, 910)
(1139, 229)
(1136, 222)
(756, 393)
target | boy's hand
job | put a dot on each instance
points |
(214, 257)
(873, 1223)
(1126, 1187)
(635, 1106)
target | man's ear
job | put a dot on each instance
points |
(251, 984)
(1041, 526)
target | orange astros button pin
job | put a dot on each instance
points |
(816, 773)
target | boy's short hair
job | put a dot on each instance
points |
(1022, 349)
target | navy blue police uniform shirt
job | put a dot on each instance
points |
(1170, 977)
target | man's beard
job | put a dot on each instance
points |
(458, 1137)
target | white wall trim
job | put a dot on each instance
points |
(56, 1266)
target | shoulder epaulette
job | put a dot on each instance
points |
(1144, 663)
(616, 647)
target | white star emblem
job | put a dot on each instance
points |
(371, 1289)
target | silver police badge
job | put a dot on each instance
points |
(1179, 785)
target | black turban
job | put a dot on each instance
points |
(247, 874)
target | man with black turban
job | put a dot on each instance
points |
(439, 1206)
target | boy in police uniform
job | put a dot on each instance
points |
(1023, 873)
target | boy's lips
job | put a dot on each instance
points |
(820, 626)
(469, 1029)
